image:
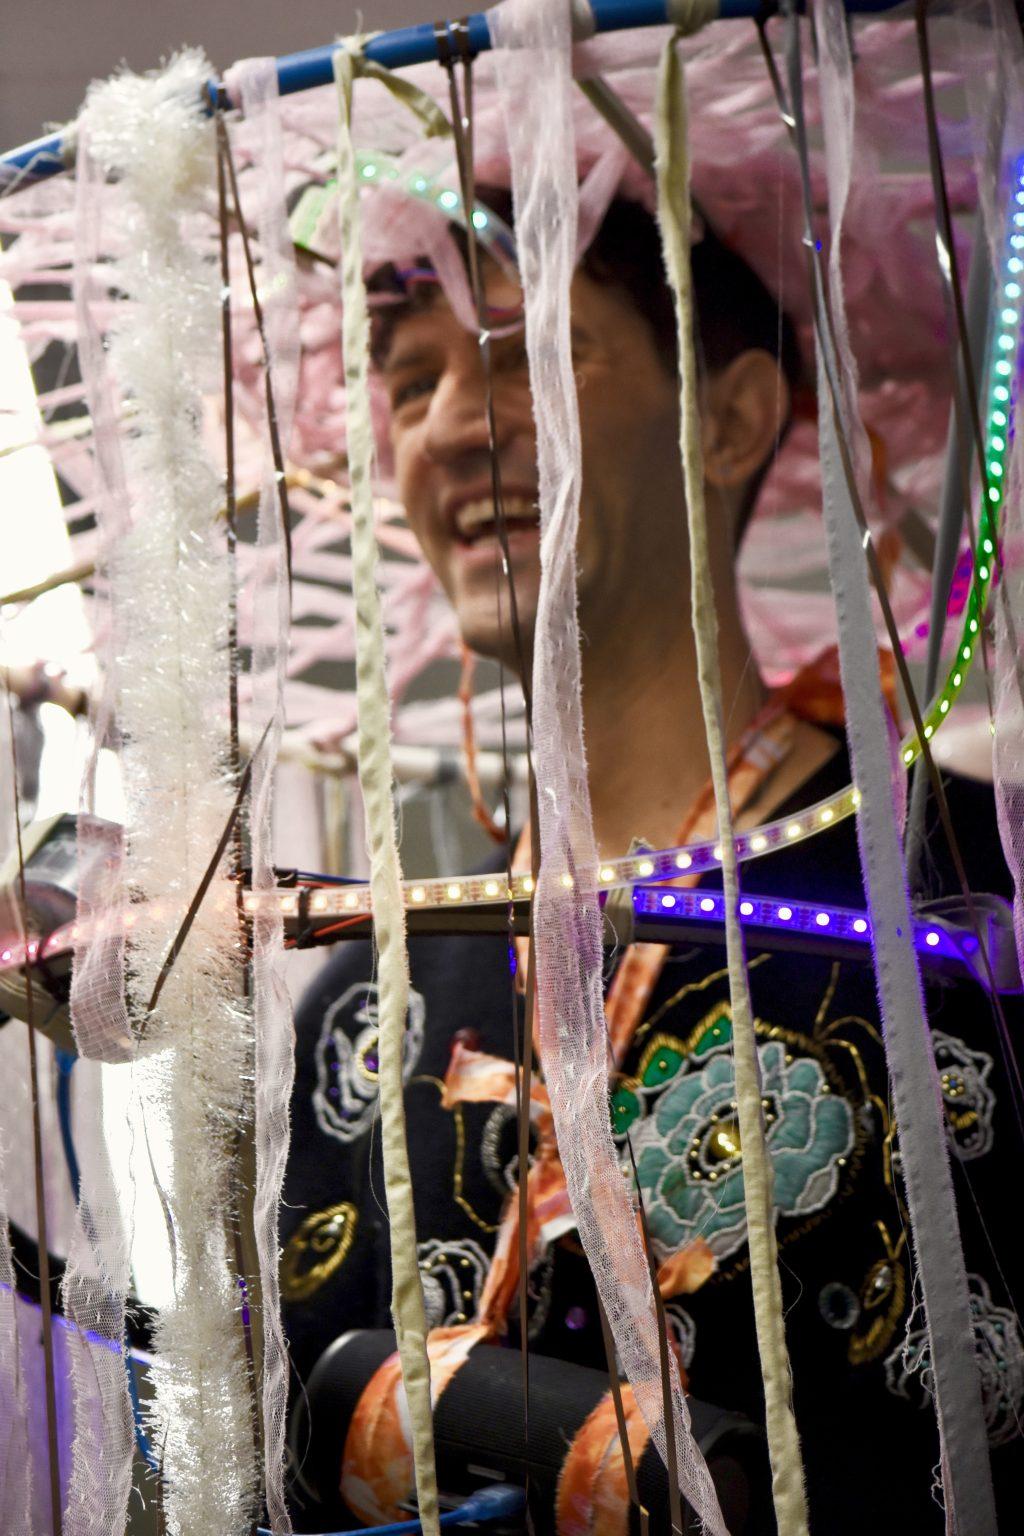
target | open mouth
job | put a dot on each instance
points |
(477, 520)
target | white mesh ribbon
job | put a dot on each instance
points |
(256, 82)
(532, 62)
(166, 685)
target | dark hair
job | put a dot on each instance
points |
(734, 311)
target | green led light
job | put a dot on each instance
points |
(944, 707)
(479, 219)
(448, 200)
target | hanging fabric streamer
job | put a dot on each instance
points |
(532, 63)
(267, 605)
(376, 783)
(674, 215)
(917, 1099)
(166, 686)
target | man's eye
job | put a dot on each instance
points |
(408, 390)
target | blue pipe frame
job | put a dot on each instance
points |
(54, 153)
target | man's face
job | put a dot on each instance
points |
(631, 548)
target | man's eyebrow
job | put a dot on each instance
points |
(411, 355)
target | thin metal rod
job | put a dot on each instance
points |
(55, 152)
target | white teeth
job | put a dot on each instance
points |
(475, 516)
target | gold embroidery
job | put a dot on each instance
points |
(317, 1250)
(883, 1293)
(692, 986)
(460, 1153)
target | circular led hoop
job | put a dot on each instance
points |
(492, 232)
(696, 858)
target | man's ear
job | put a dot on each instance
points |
(746, 407)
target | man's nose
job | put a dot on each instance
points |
(456, 424)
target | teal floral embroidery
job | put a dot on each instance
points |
(690, 1161)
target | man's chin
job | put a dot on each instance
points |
(486, 635)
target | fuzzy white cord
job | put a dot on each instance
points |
(674, 217)
(167, 571)
(375, 779)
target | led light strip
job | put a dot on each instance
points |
(670, 904)
(696, 858)
(381, 170)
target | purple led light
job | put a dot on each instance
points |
(822, 919)
(785, 913)
(707, 904)
(668, 901)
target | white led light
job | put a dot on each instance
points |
(683, 861)
(785, 913)
(480, 222)
(567, 881)
(1006, 343)
(794, 829)
(318, 903)
(369, 171)
(759, 843)
(973, 626)
(449, 200)
(746, 909)
(645, 868)
(993, 494)
(908, 756)
(528, 884)
(995, 468)
(944, 707)
(1003, 367)
(418, 894)
(1012, 290)
(607, 873)
(1015, 264)
(716, 852)
(420, 184)
(931, 938)
(289, 904)
(351, 900)
(1001, 392)
(983, 572)
(822, 919)
(999, 418)
(453, 891)
(827, 815)
(929, 732)
(998, 445)
(1010, 316)
(966, 653)
(707, 904)
(855, 798)
(957, 679)
(668, 901)
(492, 888)
(987, 546)
(250, 902)
(860, 925)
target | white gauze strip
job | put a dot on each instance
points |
(168, 598)
(532, 61)
(256, 80)
(916, 1095)
(674, 217)
(375, 779)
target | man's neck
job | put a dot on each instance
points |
(646, 749)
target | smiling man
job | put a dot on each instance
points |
(869, 1442)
